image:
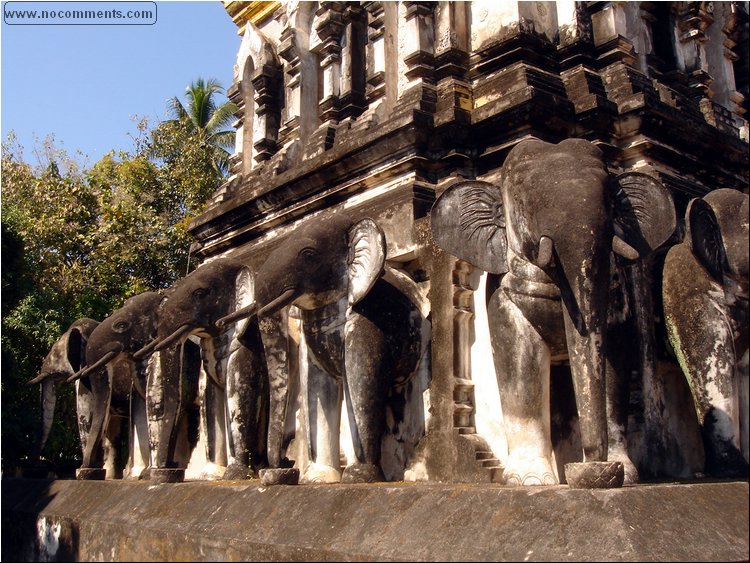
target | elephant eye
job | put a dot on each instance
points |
(121, 326)
(308, 253)
(200, 292)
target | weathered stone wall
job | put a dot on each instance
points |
(135, 521)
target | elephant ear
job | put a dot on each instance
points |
(366, 261)
(467, 221)
(644, 214)
(76, 348)
(704, 238)
(730, 207)
(67, 354)
(244, 288)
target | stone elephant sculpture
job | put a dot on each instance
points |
(705, 294)
(235, 403)
(550, 229)
(111, 345)
(362, 328)
(66, 357)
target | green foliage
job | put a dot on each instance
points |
(207, 121)
(77, 243)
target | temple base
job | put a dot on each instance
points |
(45, 520)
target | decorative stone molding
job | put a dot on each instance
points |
(375, 51)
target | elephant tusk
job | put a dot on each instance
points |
(245, 312)
(282, 300)
(184, 330)
(544, 258)
(622, 248)
(38, 379)
(146, 350)
(108, 357)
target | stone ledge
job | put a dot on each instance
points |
(233, 521)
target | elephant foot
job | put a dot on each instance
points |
(529, 473)
(279, 476)
(631, 471)
(595, 474)
(90, 474)
(319, 473)
(362, 473)
(158, 475)
(238, 472)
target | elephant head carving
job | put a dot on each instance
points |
(360, 329)
(197, 301)
(232, 358)
(123, 333)
(549, 229)
(112, 346)
(66, 357)
(705, 293)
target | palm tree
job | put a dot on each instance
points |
(208, 122)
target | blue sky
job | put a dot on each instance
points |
(84, 83)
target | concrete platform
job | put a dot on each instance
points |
(242, 521)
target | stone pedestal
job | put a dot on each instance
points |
(196, 521)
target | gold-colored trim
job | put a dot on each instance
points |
(253, 12)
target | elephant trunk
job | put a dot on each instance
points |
(585, 312)
(48, 400)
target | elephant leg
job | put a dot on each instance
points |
(275, 339)
(92, 403)
(701, 334)
(324, 417)
(140, 450)
(522, 363)
(114, 445)
(167, 398)
(213, 428)
(186, 436)
(621, 363)
(247, 410)
(365, 393)
(162, 405)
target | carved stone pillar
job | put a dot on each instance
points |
(735, 31)
(463, 393)
(353, 62)
(692, 21)
(329, 28)
(267, 83)
(608, 22)
(235, 96)
(375, 51)
(452, 40)
(290, 52)
(415, 44)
